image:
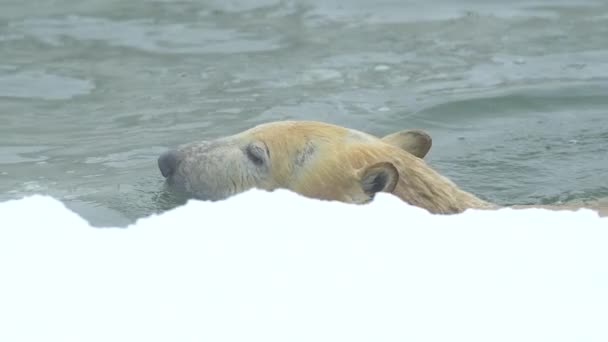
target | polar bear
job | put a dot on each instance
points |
(318, 160)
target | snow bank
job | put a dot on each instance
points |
(279, 267)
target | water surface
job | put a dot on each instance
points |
(513, 93)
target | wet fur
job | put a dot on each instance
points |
(330, 172)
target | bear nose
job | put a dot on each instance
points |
(167, 162)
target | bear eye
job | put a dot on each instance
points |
(256, 154)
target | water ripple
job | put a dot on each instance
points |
(42, 85)
(145, 34)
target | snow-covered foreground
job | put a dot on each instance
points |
(278, 267)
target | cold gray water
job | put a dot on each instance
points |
(514, 94)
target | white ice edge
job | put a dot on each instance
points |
(280, 267)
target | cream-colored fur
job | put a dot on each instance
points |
(336, 172)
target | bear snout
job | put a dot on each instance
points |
(168, 162)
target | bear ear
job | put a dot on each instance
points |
(414, 141)
(379, 177)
